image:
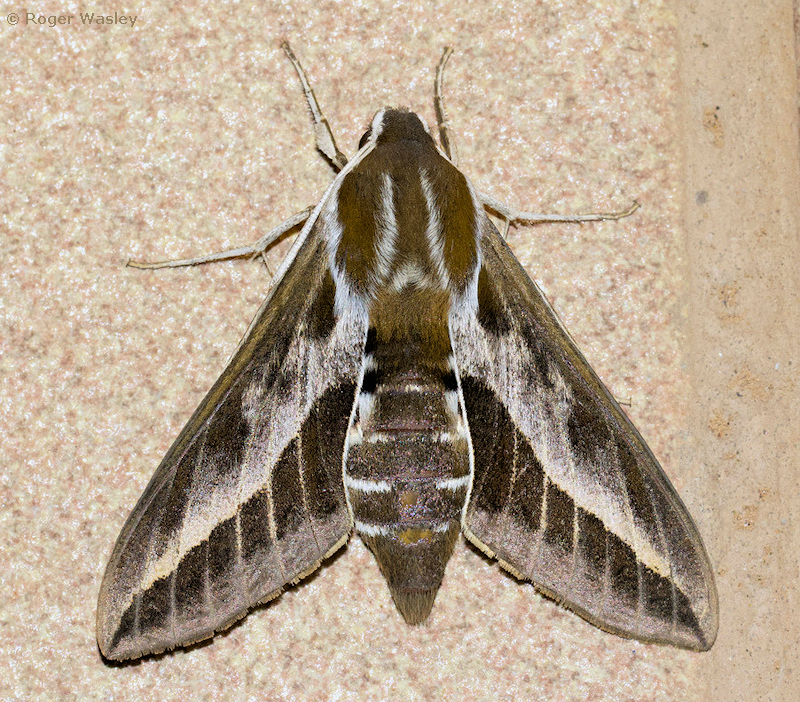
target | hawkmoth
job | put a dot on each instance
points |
(405, 378)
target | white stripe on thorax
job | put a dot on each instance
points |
(434, 232)
(385, 229)
(409, 275)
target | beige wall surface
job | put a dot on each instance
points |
(185, 132)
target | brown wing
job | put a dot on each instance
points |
(565, 492)
(250, 496)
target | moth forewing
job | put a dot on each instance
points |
(565, 492)
(250, 497)
(405, 377)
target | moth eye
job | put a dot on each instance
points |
(364, 138)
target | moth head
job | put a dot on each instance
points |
(396, 124)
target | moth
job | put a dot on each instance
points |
(405, 378)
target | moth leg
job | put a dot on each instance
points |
(511, 216)
(448, 145)
(322, 130)
(253, 250)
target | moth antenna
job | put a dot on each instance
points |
(448, 145)
(323, 134)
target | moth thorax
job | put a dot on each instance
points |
(406, 216)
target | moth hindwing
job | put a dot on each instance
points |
(405, 377)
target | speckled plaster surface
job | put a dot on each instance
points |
(187, 133)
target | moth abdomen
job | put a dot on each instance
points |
(408, 469)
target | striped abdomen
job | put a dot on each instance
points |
(407, 251)
(407, 470)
